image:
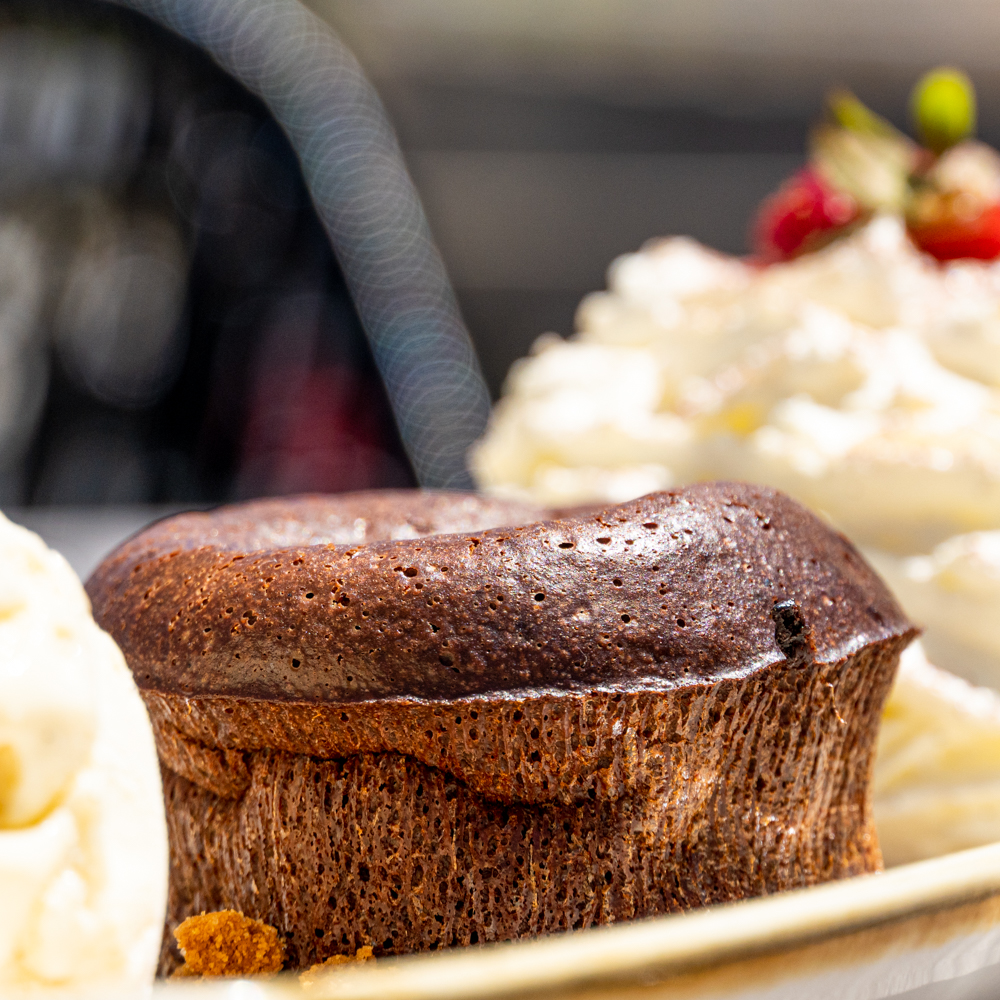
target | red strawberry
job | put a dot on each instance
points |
(951, 236)
(801, 215)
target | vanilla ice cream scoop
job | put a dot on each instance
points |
(83, 847)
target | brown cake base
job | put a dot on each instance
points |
(517, 816)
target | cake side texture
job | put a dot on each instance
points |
(747, 787)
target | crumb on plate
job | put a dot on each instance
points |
(226, 943)
(363, 954)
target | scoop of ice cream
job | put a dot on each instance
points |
(936, 786)
(954, 593)
(862, 379)
(83, 852)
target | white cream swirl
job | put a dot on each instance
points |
(863, 379)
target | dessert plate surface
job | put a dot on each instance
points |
(930, 931)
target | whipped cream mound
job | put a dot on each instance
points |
(867, 427)
(955, 594)
(863, 379)
(591, 413)
(83, 846)
(936, 786)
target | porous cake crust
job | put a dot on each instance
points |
(483, 734)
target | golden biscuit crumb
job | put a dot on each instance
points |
(226, 943)
(363, 954)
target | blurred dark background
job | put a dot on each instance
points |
(173, 326)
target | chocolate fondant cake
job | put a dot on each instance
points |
(383, 720)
